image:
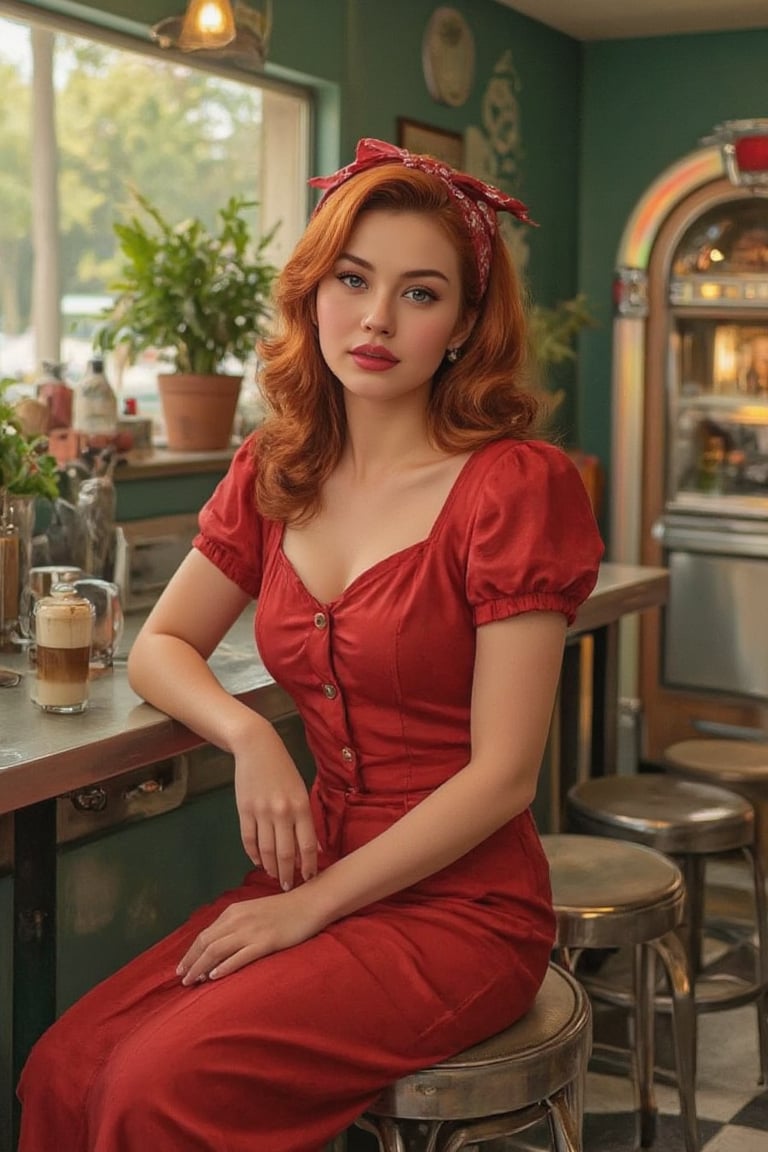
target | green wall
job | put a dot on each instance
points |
(645, 104)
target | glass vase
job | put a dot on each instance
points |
(17, 525)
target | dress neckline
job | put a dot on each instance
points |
(385, 562)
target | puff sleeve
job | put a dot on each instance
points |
(535, 544)
(231, 531)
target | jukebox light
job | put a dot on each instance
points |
(744, 147)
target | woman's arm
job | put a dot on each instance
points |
(168, 667)
(516, 673)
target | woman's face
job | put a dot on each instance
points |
(390, 307)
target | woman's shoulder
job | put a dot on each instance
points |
(510, 482)
(510, 460)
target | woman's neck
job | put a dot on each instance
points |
(384, 437)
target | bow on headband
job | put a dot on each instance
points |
(479, 202)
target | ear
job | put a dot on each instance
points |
(463, 329)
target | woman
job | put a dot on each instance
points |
(416, 559)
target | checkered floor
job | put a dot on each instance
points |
(732, 1106)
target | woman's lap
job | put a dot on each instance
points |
(283, 1053)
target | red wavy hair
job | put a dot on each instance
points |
(475, 400)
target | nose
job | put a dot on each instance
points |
(379, 318)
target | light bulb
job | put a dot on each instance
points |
(207, 24)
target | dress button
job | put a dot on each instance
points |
(321, 620)
(330, 691)
(347, 754)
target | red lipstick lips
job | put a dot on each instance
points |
(373, 357)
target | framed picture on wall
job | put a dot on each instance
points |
(418, 137)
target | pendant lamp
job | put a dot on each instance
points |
(207, 24)
(236, 32)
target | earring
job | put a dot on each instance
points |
(452, 355)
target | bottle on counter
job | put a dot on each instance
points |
(51, 389)
(95, 409)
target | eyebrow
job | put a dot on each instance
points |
(410, 274)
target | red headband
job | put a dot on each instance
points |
(479, 202)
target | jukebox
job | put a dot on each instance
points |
(691, 369)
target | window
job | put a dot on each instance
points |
(82, 121)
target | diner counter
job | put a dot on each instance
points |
(44, 755)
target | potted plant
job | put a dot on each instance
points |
(200, 297)
(553, 337)
(553, 333)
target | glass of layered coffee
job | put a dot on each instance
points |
(63, 636)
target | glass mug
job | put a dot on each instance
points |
(108, 618)
(63, 634)
(43, 577)
(40, 582)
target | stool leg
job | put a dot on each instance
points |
(761, 960)
(386, 1131)
(693, 868)
(645, 990)
(566, 1117)
(675, 960)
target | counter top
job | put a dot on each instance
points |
(621, 589)
(163, 462)
(44, 755)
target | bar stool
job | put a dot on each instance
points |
(532, 1071)
(609, 894)
(691, 822)
(741, 765)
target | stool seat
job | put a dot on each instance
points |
(609, 894)
(534, 1069)
(721, 761)
(670, 814)
(741, 765)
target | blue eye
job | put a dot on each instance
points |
(351, 279)
(420, 295)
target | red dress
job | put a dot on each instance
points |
(285, 1053)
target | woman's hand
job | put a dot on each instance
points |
(245, 932)
(276, 824)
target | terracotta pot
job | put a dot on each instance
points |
(199, 410)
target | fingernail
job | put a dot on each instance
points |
(180, 970)
(286, 885)
(213, 973)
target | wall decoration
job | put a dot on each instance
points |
(494, 148)
(418, 137)
(448, 57)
